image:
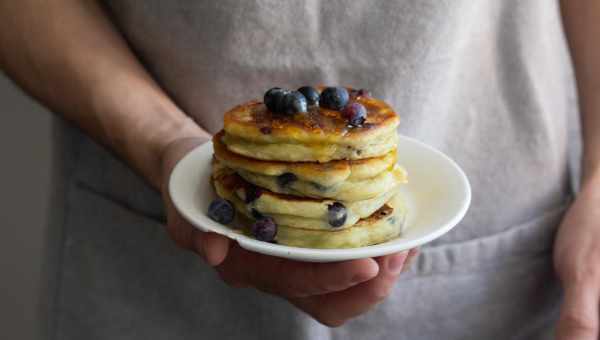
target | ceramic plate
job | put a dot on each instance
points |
(438, 195)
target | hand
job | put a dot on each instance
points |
(332, 293)
(577, 262)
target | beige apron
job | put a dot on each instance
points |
(488, 82)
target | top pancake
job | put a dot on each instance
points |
(317, 135)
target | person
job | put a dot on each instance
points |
(490, 83)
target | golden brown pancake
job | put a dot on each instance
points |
(325, 174)
(289, 210)
(318, 135)
(383, 225)
(350, 190)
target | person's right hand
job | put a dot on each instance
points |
(331, 293)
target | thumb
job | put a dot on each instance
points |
(579, 313)
(212, 247)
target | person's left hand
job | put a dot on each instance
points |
(577, 263)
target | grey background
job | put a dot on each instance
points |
(26, 179)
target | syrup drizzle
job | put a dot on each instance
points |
(317, 120)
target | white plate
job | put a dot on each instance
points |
(438, 196)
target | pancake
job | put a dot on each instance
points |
(347, 191)
(383, 225)
(324, 174)
(292, 152)
(300, 212)
(318, 135)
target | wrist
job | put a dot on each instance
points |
(138, 120)
(175, 130)
(144, 130)
(172, 132)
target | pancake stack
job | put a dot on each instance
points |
(322, 182)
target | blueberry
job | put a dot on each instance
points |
(334, 98)
(293, 102)
(286, 179)
(265, 229)
(337, 214)
(311, 95)
(221, 210)
(273, 99)
(355, 113)
(252, 193)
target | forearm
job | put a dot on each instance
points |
(582, 25)
(68, 55)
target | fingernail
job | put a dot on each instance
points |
(396, 262)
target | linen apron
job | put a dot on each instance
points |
(487, 82)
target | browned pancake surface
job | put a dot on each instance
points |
(253, 121)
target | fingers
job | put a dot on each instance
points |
(579, 314)
(292, 278)
(336, 308)
(409, 259)
(212, 247)
(180, 231)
